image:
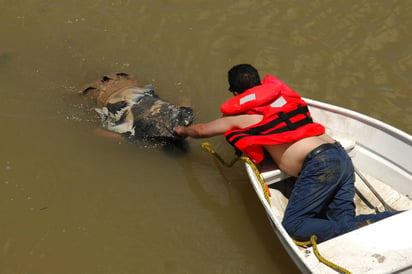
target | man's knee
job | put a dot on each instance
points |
(291, 226)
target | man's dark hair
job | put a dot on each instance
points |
(243, 77)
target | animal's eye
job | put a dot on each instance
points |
(114, 108)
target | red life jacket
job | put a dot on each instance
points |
(286, 118)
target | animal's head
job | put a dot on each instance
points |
(101, 91)
(116, 115)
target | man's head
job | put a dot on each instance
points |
(242, 77)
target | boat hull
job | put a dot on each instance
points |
(381, 154)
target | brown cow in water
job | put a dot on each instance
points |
(136, 111)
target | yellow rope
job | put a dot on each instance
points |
(264, 187)
(323, 260)
(208, 147)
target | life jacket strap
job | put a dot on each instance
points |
(265, 129)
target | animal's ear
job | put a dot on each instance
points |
(87, 90)
(106, 78)
(149, 89)
(98, 110)
(102, 112)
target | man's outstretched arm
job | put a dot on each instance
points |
(218, 126)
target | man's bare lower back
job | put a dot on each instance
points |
(289, 157)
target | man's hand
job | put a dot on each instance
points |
(181, 131)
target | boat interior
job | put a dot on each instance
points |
(381, 244)
(372, 195)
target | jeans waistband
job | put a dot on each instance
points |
(320, 149)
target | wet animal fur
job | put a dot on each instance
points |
(135, 111)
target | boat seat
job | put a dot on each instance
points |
(384, 246)
(270, 171)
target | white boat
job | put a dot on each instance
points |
(382, 156)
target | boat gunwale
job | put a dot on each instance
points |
(391, 130)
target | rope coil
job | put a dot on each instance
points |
(312, 242)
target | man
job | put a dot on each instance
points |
(270, 116)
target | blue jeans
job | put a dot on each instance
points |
(321, 202)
